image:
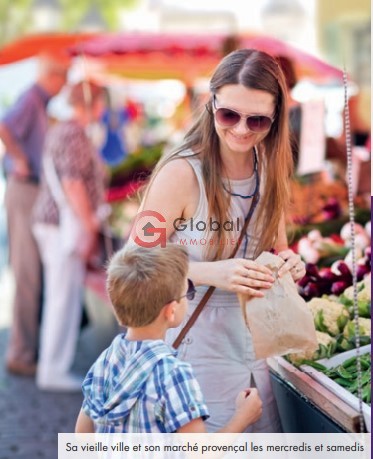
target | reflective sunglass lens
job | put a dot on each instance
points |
(258, 123)
(227, 117)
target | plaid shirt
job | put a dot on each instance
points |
(141, 386)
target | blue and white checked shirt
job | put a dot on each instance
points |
(141, 386)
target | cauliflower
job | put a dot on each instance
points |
(363, 297)
(327, 345)
(324, 338)
(364, 328)
(329, 316)
(363, 292)
(367, 281)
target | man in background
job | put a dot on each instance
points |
(23, 130)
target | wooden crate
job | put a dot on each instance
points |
(329, 403)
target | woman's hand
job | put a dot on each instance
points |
(241, 276)
(293, 264)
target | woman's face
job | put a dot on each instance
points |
(238, 138)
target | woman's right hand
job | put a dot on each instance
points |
(241, 276)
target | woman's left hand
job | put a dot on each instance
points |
(293, 264)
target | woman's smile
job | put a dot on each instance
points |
(239, 138)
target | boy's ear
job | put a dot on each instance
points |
(169, 310)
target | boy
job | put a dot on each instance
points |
(138, 384)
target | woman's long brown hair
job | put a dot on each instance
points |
(254, 70)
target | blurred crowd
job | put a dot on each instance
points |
(54, 196)
(54, 199)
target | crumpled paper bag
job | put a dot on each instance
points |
(280, 322)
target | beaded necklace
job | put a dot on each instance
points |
(256, 173)
(256, 190)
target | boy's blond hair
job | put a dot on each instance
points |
(140, 281)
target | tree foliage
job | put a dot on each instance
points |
(14, 18)
(16, 15)
(73, 11)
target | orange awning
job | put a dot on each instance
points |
(32, 45)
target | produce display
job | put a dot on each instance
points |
(327, 347)
(329, 293)
(345, 375)
(329, 260)
(334, 321)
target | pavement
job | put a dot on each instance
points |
(30, 419)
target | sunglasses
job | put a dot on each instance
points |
(229, 118)
(191, 292)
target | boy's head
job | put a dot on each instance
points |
(141, 281)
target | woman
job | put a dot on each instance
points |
(72, 184)
(239, 145)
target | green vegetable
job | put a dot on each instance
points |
(346, 375)
(349, 362)
(315, 365)
(343, 373)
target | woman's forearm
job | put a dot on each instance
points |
(202, 272)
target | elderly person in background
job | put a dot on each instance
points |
(23, 131)
(73, 179)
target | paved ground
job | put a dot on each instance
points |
(30, 419)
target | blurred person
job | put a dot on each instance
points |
(114, 149)
(72, 180)
(23, 131)
(138, 384)
(236, 154)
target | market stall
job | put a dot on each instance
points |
(310, 389)
(308, 399)
(329, 390)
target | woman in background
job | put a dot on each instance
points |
(73, 183)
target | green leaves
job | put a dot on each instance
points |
(346, 375)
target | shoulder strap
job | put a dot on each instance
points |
(211, 289)
(53, 182)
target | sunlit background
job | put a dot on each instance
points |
(162, 90)
(338, 31)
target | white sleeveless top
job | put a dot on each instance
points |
(197, 240)
(219, 345)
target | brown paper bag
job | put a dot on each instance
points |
(280, 322)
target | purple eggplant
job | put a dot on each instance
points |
(339, 287)
(311, 290)
(312, 270)
(343, 268)
(361, 271)
(343, 272)
(328, 275)
(304, 281)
